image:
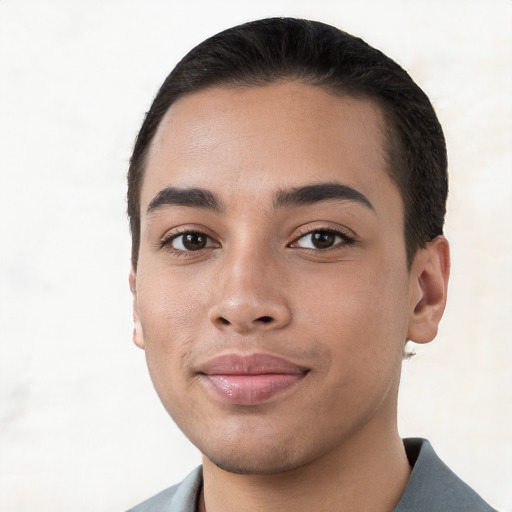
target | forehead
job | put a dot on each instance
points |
(266, 138)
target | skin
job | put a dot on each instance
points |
(329, 442)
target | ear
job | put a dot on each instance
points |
(138, 337)
(428, 286)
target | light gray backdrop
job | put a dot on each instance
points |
(80, 426)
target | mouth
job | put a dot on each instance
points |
(249, 379)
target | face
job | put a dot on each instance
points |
(272, 295)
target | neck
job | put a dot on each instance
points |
(369, 472)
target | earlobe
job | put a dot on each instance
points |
(138, 337)
(429, 283)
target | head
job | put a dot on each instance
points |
(286, 197)
(272, 50)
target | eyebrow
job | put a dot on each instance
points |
(299, 196)
(192, 197)
(311, 194)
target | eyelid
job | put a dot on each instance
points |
(343, 231)
(348, 238)
(347, 235)
(173, 233)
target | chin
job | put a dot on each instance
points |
(254, 464)
(248, 443)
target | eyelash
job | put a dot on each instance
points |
(346, 239)
(167, 240)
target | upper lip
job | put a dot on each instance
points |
(249, 364)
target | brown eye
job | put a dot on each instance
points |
(191, 242)
(319, 240)
(323, 240)
(194, 241)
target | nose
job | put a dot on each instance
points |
(249, 296)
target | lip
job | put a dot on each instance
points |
(249, 379)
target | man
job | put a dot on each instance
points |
(286, 198)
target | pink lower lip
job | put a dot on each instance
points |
(251, 389)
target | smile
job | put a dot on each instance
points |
(249, 379)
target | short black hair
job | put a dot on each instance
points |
(313, 53)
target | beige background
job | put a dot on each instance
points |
(80, 426)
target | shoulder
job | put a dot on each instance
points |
(178, 498)
(433, 486)
(161, 501)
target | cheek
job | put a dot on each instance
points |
(356, 319)
(169, 302)
(170, 307)
(357, 309)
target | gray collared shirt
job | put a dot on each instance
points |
(433, 487)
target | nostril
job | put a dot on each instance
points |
(224, 321)
(264, 319)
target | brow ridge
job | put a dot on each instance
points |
(191, 197)
(318, 192)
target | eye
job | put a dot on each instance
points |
(321, 239)
(190, 241)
